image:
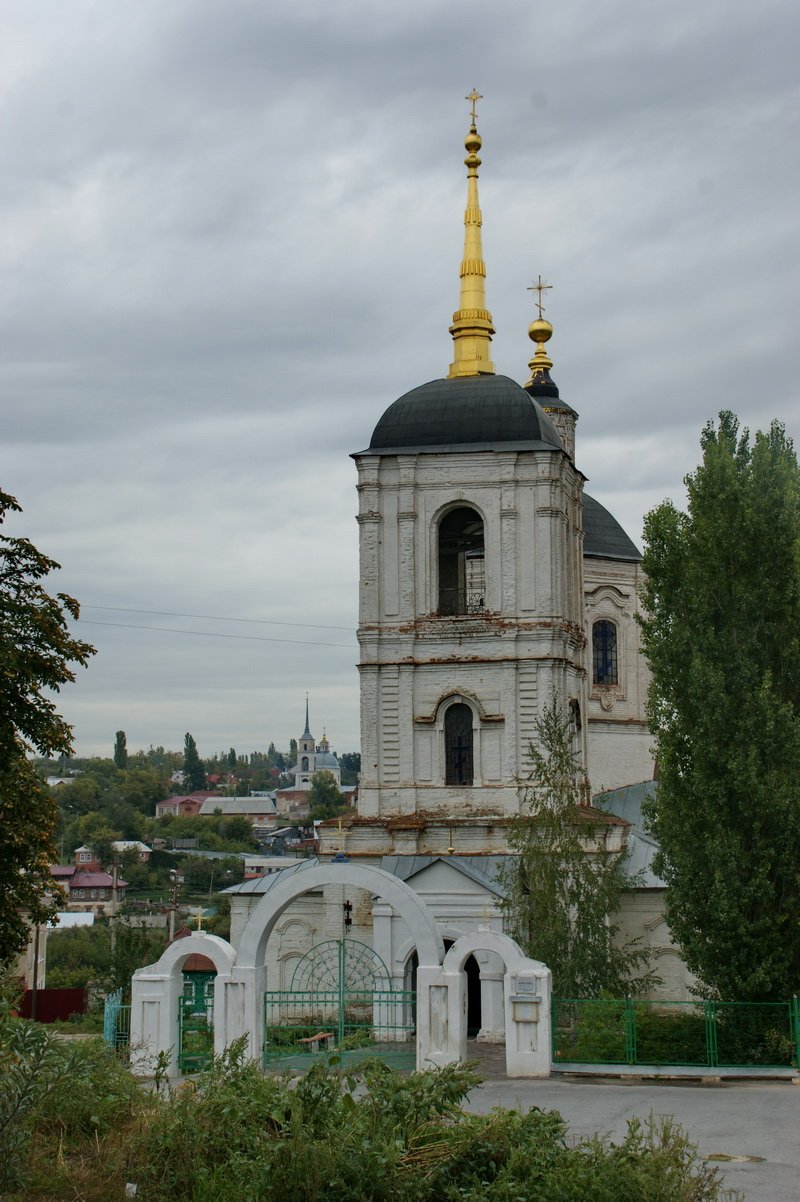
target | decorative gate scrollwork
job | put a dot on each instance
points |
(341, 1000)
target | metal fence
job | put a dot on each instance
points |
(116, 1022)
(708, 1034)
(196, 1030)
(300, 1025)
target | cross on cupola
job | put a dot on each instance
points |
(474, 97)
(540, 287)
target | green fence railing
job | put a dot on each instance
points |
(302, 1024)
(116, 1022)
(684, 1034)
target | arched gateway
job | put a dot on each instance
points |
(241, 981)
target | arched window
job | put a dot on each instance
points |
(462, 583)
(458, 745)
(604, 653)
(304, 764)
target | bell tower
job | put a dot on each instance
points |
(471, 587)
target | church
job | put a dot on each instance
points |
(491, 584)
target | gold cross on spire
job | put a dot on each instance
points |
(539, 287)
(474, 96)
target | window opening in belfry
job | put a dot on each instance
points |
(462, 580)
(458, 745)
(604, 653)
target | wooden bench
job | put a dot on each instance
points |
(314, 1041)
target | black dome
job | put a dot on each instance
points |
(470, 411)
(603, 537)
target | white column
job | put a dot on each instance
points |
(528, 1020)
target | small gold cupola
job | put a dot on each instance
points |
(541, 385)
(540, 331)
(472, 326)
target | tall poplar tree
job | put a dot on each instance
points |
(121, 750)
(194, 774)
(722, 636)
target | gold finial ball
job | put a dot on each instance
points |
(473, 141)
(540, 331)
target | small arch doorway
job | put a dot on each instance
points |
(473, 975)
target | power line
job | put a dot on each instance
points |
(212, 634)
(166, 613)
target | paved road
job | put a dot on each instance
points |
(760, 1119)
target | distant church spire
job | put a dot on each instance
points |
(307, 732)
(472, 326)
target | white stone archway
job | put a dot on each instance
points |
(249, 979)
(156, 994)
(241, 982)
(527, 987)
(241, 976)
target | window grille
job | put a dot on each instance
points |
(604, 653)
(458, 745)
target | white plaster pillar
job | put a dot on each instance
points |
(229, 1012)
(249, 1013)
(155, 998)
(441, 1018)
(492, 1007)
(382, 915)
(528, 1022)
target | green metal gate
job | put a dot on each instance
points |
(116, 1022)
(196, 1022)
(341, 1000)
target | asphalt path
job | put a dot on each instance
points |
(744, 1120)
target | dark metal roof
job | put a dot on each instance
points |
(484, 870)
(543, 388)
(467, 413)
(603, 537)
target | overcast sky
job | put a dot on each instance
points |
(229, 238)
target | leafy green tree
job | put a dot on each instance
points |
(564, 883)
(81, 956)
(324, 798)
(239, 829)
(194, 775)
(121, 750)
(36, 654)
(722, 636)
(350, 764)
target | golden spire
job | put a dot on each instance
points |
(540, 331)
(472, 327)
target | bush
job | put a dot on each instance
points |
(57, 1096)
(339, 1136)
(73, 1123)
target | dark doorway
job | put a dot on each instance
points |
(473, 973)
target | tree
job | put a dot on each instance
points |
(324, 798)
(36, 654)
(194, 775)
(121, 750)
(564, 884)
(722, 636)
(350, 764)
